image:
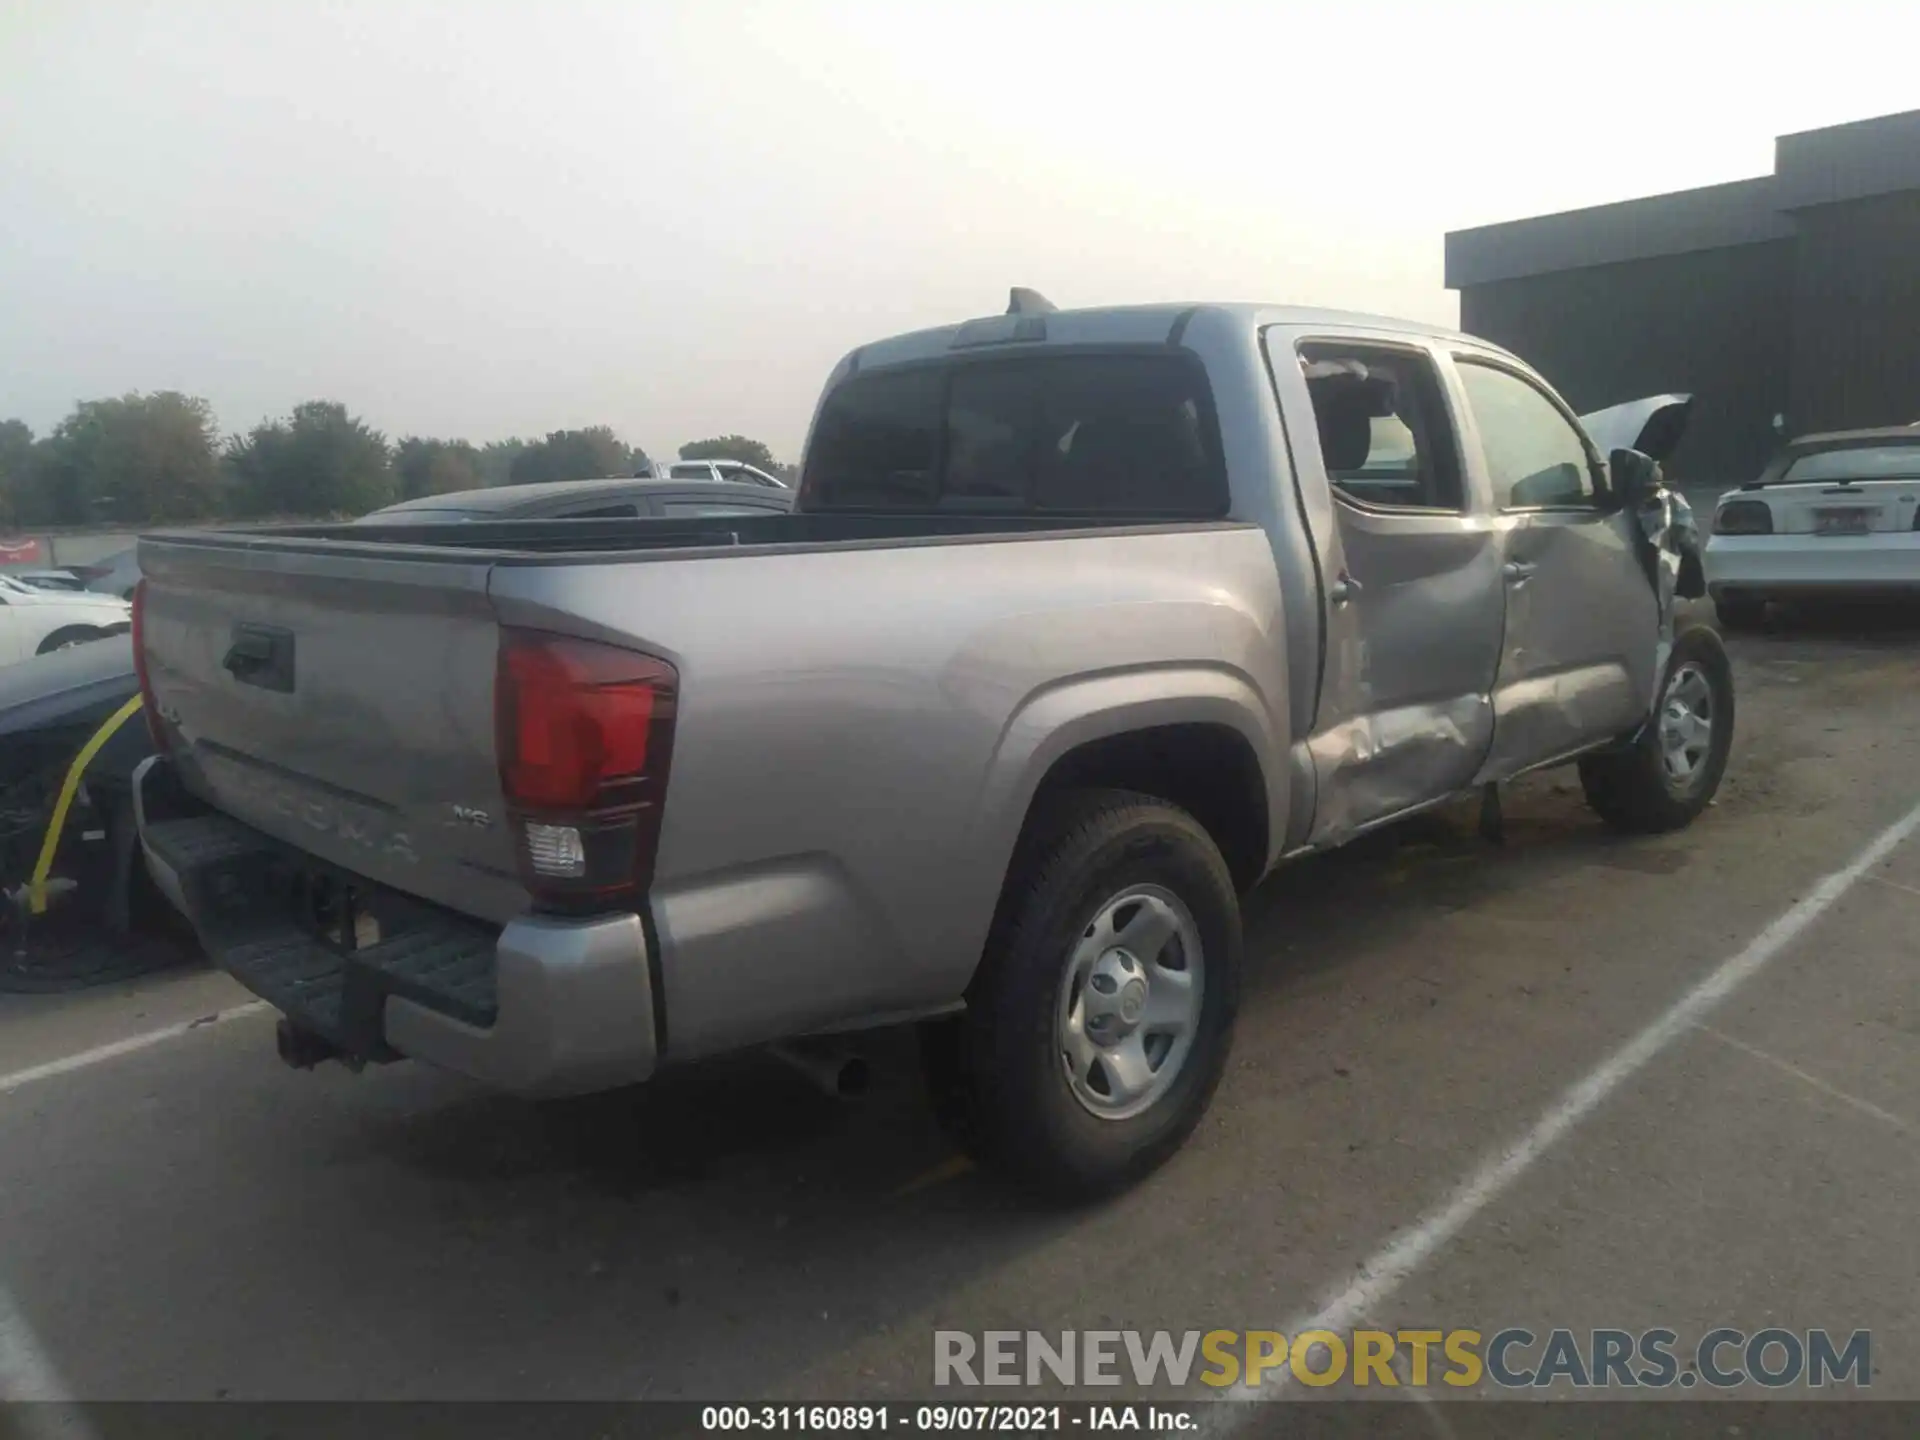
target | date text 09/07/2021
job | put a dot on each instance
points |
(929, 1419)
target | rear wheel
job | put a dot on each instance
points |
(1100, 1020)
(1672, 770)
(1740, 612)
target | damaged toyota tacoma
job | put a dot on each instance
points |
(1083, 622)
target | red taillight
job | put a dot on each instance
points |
(583, 733)
(1744, 517)
(147, 706)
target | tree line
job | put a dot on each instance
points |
(140, 459)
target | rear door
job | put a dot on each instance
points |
(1411, 578)
(1582, 621)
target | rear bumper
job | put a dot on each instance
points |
(1813, 564)
(543, 1006)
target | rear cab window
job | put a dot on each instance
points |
(1072, 433)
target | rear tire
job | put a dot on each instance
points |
(1061, 1001)
(1740, 612)
(68, 635)
(1662, 782)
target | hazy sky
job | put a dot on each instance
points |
(483, 219)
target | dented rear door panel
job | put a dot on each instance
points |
(1412, 615)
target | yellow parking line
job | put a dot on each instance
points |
(951, 1168)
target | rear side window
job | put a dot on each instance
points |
(1385, 437)
(1087, 434)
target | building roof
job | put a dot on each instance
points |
(1848, 162)
(1742, 212)
(1814, 167)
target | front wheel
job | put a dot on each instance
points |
(1673, 769)
(1100, 1020)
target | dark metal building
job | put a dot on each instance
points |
(1794, 294)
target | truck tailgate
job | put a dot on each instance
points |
(341, 702)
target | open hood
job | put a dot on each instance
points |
(1652, 426)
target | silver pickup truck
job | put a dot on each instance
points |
(1083, 622)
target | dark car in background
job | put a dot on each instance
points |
(736, 471)
(114, 574)
(624, 498)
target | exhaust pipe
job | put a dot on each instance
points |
(833, 1070)
(302, 1049)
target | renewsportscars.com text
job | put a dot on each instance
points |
(1511, 1358)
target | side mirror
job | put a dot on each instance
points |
(1636, 477)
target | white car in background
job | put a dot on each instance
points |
(37, 622)
(731, 472)
(49, 579)
(1833, 516)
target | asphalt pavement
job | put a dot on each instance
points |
(1572, 1080)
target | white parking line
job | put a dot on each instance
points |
(68, 1064)
(1394, 1263)
(29, 1381)
(27, 1376)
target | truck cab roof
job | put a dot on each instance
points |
(1122, 325)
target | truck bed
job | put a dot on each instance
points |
(828, 665)
(641, 539)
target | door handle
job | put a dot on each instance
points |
(262, 656)
(249, 651)
(1518, 572)
(1343, 589)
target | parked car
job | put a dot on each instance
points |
(50, 707)
(34, 621)
(1833, 515)
(614, 499)
(48, 579)
(115, 574)
(1083, 623)
(736, 472)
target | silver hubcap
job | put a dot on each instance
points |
(1686, 724)
(1130, 1002)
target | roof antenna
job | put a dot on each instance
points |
(1029, 302)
